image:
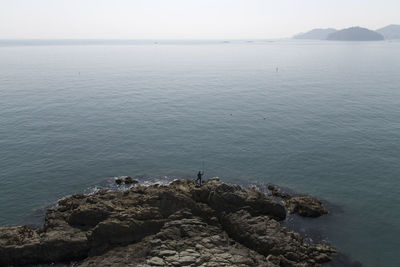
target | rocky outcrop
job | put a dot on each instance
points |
(307, 206)
(268, 237)
(304, 205)
(179, 224)
(185, 241)
(275, 192)
(126, 180)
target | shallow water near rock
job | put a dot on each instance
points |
(327, 124)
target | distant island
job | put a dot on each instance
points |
(390, 31)
(316, 34)
(352, 34)
(355, 34)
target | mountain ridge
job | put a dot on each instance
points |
(391, 31)
(355, 34)
(315, 34)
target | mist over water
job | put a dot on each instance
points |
(326, 122)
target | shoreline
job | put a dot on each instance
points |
(157, 210)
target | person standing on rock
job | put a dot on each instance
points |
(199, 175)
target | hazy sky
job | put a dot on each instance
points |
(187, 19)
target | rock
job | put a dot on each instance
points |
(217, 224)
(197, 242)
(229, 198)
(167, 253)
(130, 180)
(126, 180)
(187, 260)
(88, 215)
(304, 205)
(321, 258)
(262, 234)
(277, 193)
(156, 261)
(21, 245)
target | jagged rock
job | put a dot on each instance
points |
(88, 215)
(229, 198)
(304, 205)
(21, 245)
(266, 236)
(130, 180)
(183, 242)
(277, 193)
(181, 224)
(156, 261)
(126, 180)
(307, 206)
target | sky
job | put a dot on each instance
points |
(187, 19)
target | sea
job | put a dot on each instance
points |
(313, 117)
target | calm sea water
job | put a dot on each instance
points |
(327, 123)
